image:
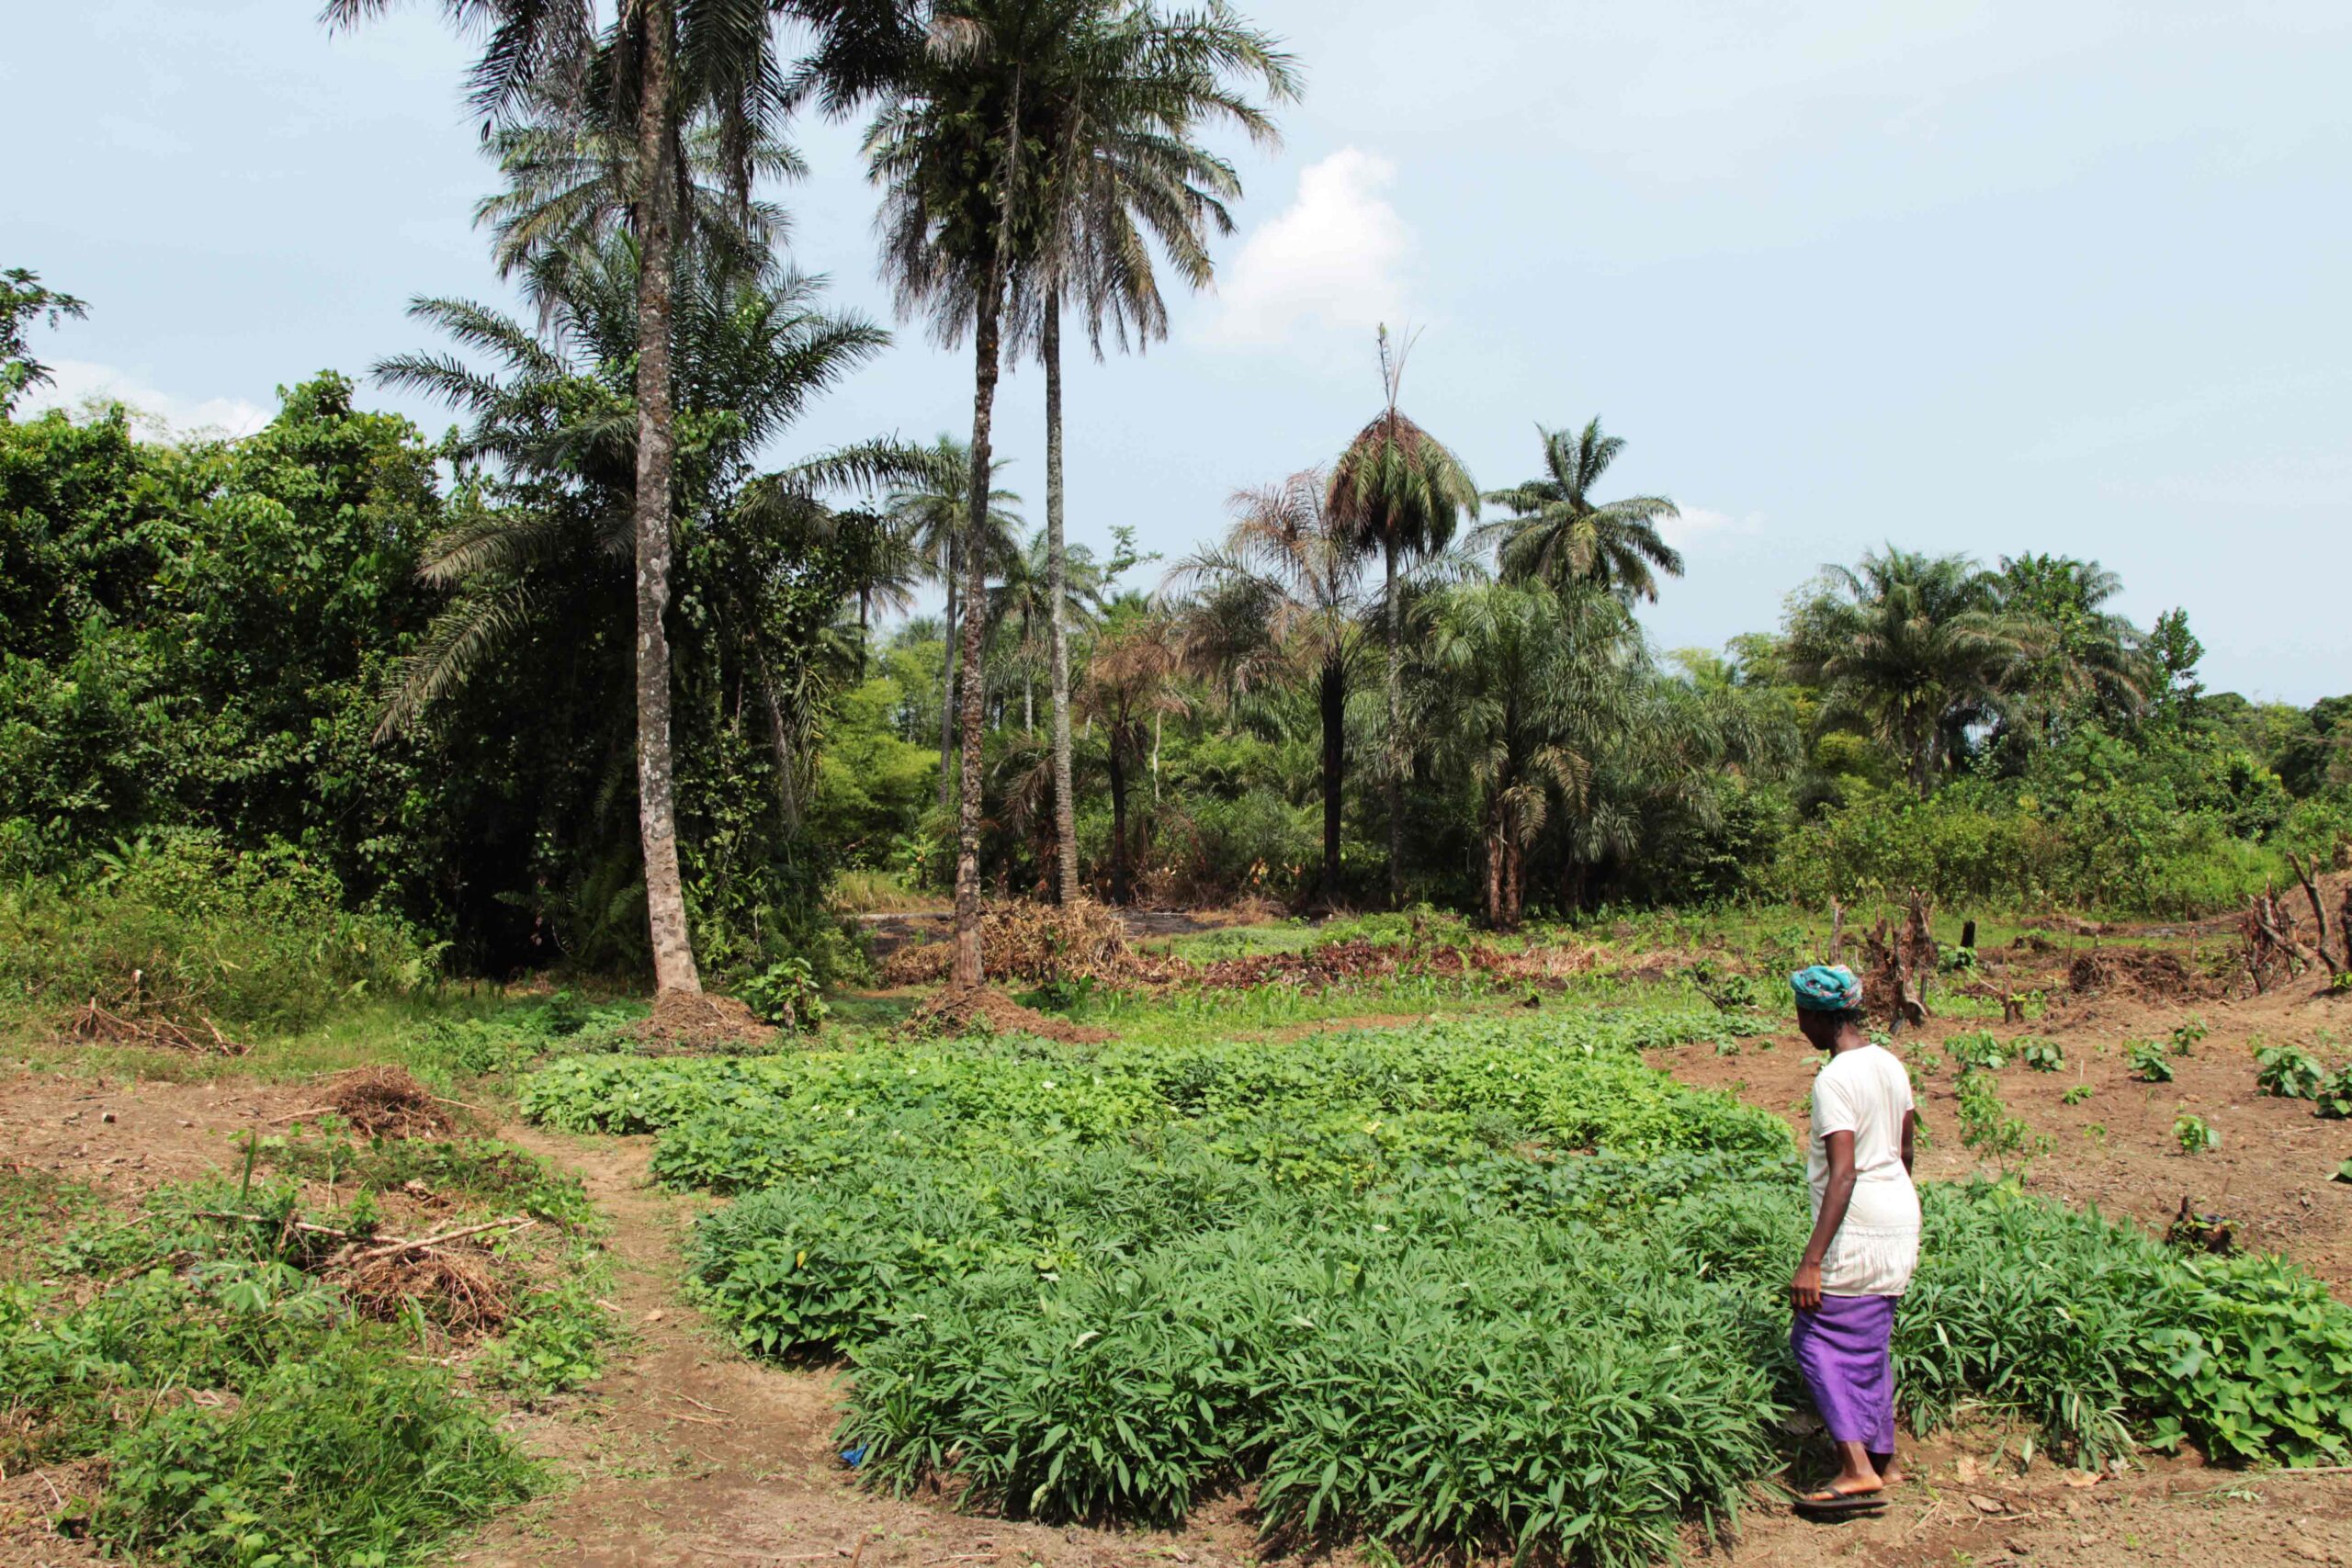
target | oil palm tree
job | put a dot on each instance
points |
(2079, 657)
(1558, 534)
(1912, 649)
(1286, 564)
(1123, 172)
(1041, 594)
(553, 422)
(1400, 491)
(650, 71)
(929, 512)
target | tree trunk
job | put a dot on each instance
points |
(947, 680)
(1333, 700)
(788, 791)
(1395, 769)
(1118, 825)
(657, 219)
(967, 972)
(1058, 580)
(1494, 899)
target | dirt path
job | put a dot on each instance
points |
(687, 1453)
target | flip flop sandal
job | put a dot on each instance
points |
(1837, 1505)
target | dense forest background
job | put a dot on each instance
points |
(379, 683)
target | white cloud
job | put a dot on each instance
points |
(75, 383)
(1334, 258)
(1701, 524)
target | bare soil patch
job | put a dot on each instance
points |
(703, 1022)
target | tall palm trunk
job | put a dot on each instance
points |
(947, 680)
(1395, 769)
(1057, 579)
(1333, 701)
(657, 217)
(967, 972)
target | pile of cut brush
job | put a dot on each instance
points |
(1041, 943)
(1046, 945)
(1339, 963)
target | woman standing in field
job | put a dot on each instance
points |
(1865, 1238)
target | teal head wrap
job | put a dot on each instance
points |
(1827, 987)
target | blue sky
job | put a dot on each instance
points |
(1967, 276)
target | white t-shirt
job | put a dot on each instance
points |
(1866, 1092)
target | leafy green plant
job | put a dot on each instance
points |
(2077, 1095)
(1976, 1051)
(2287, 1073)
(2334, 1094)
(343, 1455)
(2150, 1063)
(1958, 961)
(2186, 1034)
(2193, 1135)
(2041, 1056)
(787, 994)
(1986, 1125)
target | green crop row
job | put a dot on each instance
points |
(1358, 1104)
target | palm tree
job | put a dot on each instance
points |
(1911, 647)
(1557, 533)
(1399, 490)
(957, 219)
(929, 512)
(658, 67)
(1122, 172)
(1130, 685)
(2080, 657)
(1043, 592)
(1285, 564)
(1502, 671)
(557, 418)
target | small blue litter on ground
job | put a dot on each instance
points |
(853, 1457)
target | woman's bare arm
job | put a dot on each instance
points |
(1805, 1289)
(1910, 1120)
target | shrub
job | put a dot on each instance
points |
(2041, 1056)
(183, 927)
(785, 994)
(343, 1455)
(2149, 1063)
(2287, 1073)
(2334, 1096)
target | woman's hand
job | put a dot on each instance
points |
(1804, 1289)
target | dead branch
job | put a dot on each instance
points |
(2319, 910)
(395, 1248)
